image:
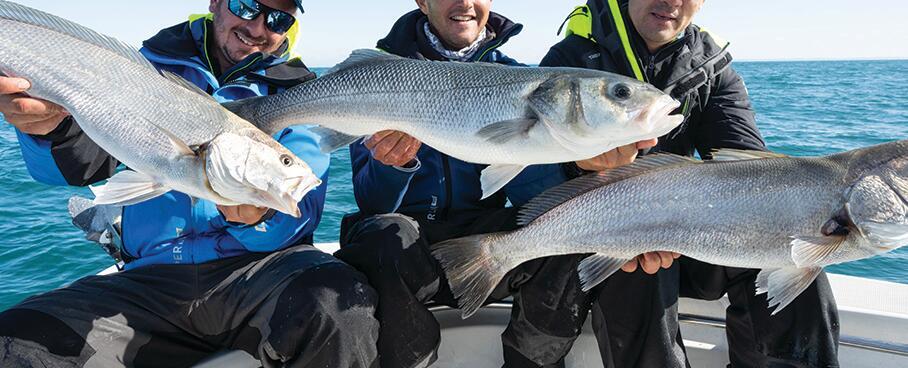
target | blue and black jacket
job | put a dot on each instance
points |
(172, 229)
(438, 185)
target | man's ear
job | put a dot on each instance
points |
(422, 6)
(213, 6)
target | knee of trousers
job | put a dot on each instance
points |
(329, 300)
(379, 241)
(391, 227)
(47, 331)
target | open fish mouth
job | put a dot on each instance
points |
(293, 192)
(656, 116)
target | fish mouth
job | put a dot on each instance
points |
(293, 192)
(656, 116)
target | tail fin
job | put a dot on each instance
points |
(471, 270)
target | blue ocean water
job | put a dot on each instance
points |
(803, 109)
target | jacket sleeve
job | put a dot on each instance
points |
(728, 119)
(66, 156)
(282, 230)
(378, 188)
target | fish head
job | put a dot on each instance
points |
(877, 206)
(618, 110)
(252, 168)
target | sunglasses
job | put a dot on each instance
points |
(276, 20)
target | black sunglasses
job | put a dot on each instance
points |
(276, 20)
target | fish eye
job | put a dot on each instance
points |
(286, 160)
(621, 91)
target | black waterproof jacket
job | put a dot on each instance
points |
(719, 112)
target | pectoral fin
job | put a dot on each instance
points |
(178, 144)
(128, 187)
(808, 251)
(332, 140)
(495, 177)
(596, 268)
(783, 285)
(508, 130)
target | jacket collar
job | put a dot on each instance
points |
(407, 38)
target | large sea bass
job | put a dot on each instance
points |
(786, 216)
(477, 112)
(173, 135)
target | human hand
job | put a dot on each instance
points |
(393, 148)
(244, 213)
(617, 157)
(29, 115)
(650, 262)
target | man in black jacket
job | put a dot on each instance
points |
(635, 314)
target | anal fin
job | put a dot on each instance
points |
(495, 177)
(783, 285)
(596, 268)
(127, 187)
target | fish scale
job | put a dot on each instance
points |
(444, 104)
(146, 120)
(786, 216)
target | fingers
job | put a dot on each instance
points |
(29, 115)
(650, 143)
(393, 148)
(665, 259)
(631, 265)
(612, 159)
(383, 150)
(246, 214)
(651, 262)
(10, 86)
(36, 127)
(23, 105)
(377, 138)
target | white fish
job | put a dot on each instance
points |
(173, 135)
(508, 117)
(787, 216)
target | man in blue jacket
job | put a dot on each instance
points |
(411, 195)
(199, 278)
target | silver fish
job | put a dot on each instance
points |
(788, 216)
(100, 223)
(172, 134)
(478, 112)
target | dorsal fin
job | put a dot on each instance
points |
(182, 82)
(362, 56)
(729, 154)
(554, 197)
(24, 14)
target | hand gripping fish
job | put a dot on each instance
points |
(788, 216)
(484, 113)
(172, 135)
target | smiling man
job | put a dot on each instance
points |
(411, 196)
(198, 278)
(636, 314)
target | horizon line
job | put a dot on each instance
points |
(897, 58)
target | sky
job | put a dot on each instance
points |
(758, 30)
